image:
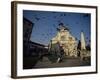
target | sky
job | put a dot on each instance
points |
(47, 22)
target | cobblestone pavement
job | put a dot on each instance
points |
(67, 62)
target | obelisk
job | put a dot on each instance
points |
(83, 43)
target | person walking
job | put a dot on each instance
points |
(59, 52)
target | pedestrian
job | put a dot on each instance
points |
(59, 52)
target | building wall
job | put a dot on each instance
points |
(67, 41)
(37, 49)
(27, 30)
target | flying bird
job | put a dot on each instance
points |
(37, 18)
(64, 14)
(85, 15)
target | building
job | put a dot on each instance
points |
(31, 48)
(66, 41)
(27, 30)
(37, 49)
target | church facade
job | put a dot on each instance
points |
(66, 41)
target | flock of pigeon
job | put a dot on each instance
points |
(51, 30)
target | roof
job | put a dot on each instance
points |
(62, 27)
(25, 19)
(37, 44)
